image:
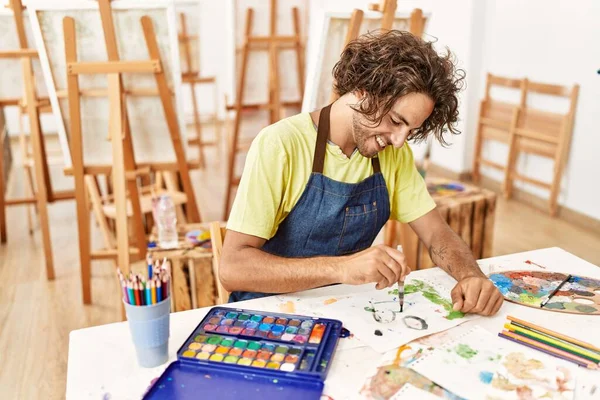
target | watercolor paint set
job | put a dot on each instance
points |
(237, 353)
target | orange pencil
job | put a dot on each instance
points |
(153, 292)
(555, 334)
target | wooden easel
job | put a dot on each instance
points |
(193, 78)
(388, 11)
(124, 169)
(33, 106)
(272, 43)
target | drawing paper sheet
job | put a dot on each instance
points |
(427, 310)
(469, 365)
(523, 374)
(465, 365)
(394, 371)
(409, 392)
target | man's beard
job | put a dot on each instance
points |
(361, 136)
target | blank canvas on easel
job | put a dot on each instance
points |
(319, 79)
(11, 78)
(151, 139)
(257, 84)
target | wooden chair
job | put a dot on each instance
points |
(104, 207)
(496, 120)
(217, 234)
(542, 133)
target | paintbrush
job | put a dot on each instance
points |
(400, 287)
(555, 290)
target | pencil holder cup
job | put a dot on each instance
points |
(149, 327)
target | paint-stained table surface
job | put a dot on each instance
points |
(102, 363)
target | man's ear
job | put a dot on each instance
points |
(359, 94)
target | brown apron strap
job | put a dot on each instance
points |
(322, 135)
(321, 145)
(375, 164)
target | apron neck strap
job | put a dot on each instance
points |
(321, 145)
(322, 135)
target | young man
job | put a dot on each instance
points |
(317, 187)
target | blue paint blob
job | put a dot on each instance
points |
(502, 282)
(486, 377)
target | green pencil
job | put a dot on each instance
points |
(554, 343)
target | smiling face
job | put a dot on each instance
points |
(408, 114)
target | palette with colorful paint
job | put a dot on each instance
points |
(578, 295)
(258, 351)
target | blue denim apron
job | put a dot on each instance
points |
(331, 218)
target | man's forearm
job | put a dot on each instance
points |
(451, 253)
(253, 270)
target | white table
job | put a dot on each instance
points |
(102, 361)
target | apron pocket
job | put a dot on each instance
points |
(359, 228)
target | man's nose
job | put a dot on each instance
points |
(398, 138)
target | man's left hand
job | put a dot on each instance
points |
(476, 295)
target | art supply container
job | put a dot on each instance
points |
(235, 353)
(149, 327)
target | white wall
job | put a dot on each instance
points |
(552, 41)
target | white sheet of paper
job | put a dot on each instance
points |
(427, 310)
(410, 392)
(524, 374)
(465, 365)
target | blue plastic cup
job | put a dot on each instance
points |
(149, 327)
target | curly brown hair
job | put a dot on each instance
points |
(385, 66)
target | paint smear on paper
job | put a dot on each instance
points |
(486, 377)
(465, 351)
(432, 295)
(329, 301)
(288, 307)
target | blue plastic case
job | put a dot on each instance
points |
(235, 353)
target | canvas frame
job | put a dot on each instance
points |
(172, 59)
(334, 25)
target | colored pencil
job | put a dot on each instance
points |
(566, 338)
(130, 290)
(165, 285)
(153, 286)
(149, 263)
(136, 290)
(124, 289)
(578, 351)
(550, 349)
(158, 291)
(148, 293)
(555, 290)
(581, 364)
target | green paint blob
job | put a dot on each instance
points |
(254, 345)
(555, 306)
(430, 294)
(529, 299)
(585, 308)
(465, 351)
(214, 340)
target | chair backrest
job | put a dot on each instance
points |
(497, 108)
(552, 127)
(217, 234)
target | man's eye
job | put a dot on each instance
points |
(394, 121)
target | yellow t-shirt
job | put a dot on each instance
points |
(279, 164)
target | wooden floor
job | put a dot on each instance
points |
(36, 315)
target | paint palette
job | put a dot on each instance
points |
(579, 295)
(260, 353)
